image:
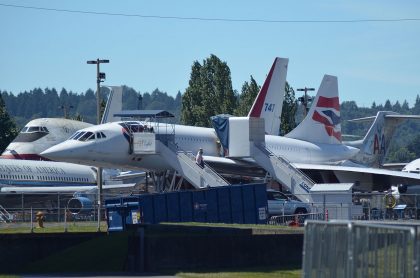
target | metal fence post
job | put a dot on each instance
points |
(32, 223)
(65, 220)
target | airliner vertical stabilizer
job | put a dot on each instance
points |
(323, 122)
(113, 105)
(269, 102)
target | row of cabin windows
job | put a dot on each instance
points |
(45, 178)
(277, 147)
(195, 139)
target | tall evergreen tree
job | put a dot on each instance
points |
(388, 106)
(289, 110)
(8, 130)
(209, 92)
(246, 99)
(192, 98)
(405, 108)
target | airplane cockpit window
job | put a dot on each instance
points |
(73, 135)
(100, 135)
(87, 136)
(31, 133)
(78, 135)
(32, 129)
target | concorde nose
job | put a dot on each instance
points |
(62, 152)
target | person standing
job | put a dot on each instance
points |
(199, 158)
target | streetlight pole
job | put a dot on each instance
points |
(100, 77)
(304, 100)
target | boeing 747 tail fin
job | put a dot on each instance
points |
(269, 101)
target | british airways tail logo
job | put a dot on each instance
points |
(328, 113)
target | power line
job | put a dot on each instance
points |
(211, 19)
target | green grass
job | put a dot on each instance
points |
(244, 273)
(274, 228)
(52, 227)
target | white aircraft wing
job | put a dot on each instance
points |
(369, 179)
(365, 179)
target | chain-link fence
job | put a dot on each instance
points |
(60, 208)
(51, 212)
(367, 206)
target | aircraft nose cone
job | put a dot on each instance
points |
(56, 152)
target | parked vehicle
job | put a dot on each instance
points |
(280, 204)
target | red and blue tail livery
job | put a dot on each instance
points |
(323, 122)
(328, 113)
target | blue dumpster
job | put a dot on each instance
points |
(115, 217)
(227, 204)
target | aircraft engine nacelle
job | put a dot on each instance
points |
(409, 194)
(409, 189)
(77, 205)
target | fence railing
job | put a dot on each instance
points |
(16, 208)
(360, 249)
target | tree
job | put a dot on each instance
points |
(414, 146)
(397, 107)
(192, 98)
(401, 155)
(246, 99)
(416, 108)
(388, 106)
(405, 108)
(289, 110)
(373, 105)
(209, 92)
(8, 130)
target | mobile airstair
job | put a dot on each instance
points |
(184, 164)
(283, 171)
(5, 216)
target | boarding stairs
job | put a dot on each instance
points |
(184, 163)
(5, 216)
(283, 171)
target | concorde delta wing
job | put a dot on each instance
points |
(184, 164)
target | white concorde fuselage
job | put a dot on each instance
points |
(112, 150)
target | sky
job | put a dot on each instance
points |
(151, 45)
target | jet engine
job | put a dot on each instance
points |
(80, 203)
